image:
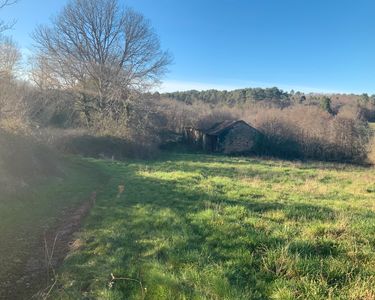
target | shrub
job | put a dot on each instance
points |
(308, 132)
(22, 159)
(85, 143)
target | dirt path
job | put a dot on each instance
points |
(36, 277)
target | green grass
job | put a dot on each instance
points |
(205, 227)
(27, 211)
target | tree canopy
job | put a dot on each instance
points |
(234, 97)
(99, 50)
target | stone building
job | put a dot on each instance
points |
(229, 137)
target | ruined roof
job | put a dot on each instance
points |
(218, 128)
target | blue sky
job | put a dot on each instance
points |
(308, 45)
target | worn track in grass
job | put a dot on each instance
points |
(37, 276)
(32, 218)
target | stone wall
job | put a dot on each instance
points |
(239, 139)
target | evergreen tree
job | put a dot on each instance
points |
(325, 104)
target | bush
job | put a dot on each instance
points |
(107, 147)
(308, 132)
(22, 159)
(82, 142)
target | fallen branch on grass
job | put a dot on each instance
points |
(114, 278)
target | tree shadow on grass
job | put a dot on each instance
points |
(319, 248)
(309, 212)
(181, 240)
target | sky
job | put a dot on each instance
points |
(306, 45)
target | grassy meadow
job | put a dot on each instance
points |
(214, 227)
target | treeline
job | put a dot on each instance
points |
(239, 96)
(309, 132)
(277, 98)
(296, 132)
(96, 101)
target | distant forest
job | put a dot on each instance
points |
(272, 96)
(234, 97)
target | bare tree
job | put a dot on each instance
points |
(101, 51)
(3, 25)
(10, 57)
(10, 95)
